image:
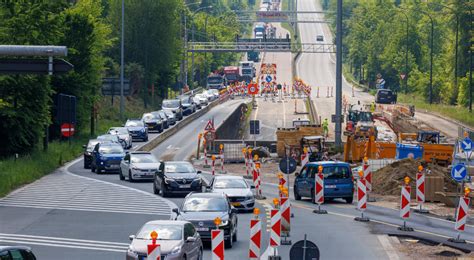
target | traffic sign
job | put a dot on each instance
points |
(466, 144)
(403, 75)
(268, 78)
(67, 130)
(254, 127)
(209, 126)
(287, 165)
(253, 89)
(459, 172)
(304, 249)
(210, 136)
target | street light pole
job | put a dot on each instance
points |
(122, 61)
(431, 56)
(470, 69)
(338, 127)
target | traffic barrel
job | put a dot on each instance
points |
(405, 204)
(153, 249)
(361, 197)
(213, 165)
(319, 191)
(255, 236)
(217, 241)
(275, 232)
(420, 189)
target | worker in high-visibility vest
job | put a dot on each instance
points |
(326, 127)
(372, 107)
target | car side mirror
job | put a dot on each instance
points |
(176, 210)
(84, 146)
(131, 237)
(191, 239)
(199, 172)
(252, 186)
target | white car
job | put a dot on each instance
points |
(209, 95)
(214, 92)
(138, 166)
(237, 190)
(202, 99)
(123, 135)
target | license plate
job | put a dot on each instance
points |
(185, 186)
(202, 229)
(236, 204)
(330, 186)
(114, 166)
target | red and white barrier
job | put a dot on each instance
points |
(304, 159)
(405, 202)
(420, 190)
(275, 233)
(319, 189)
(285, 214)
(217, 241)
(461, 214)
(367, 176)
(154, 251)
(255, 239)
(361, 195)
(213, 165)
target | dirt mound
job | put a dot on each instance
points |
(387, 180)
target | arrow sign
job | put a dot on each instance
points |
(466, 144)
(268, 78)
(459, 172)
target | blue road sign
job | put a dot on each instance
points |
(268, 78)
(466, 144)
(459, 172)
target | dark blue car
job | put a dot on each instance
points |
(338, 181)
(106, 157)
(137, 129)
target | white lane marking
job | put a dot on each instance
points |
(61, 239)
(387, 246)
(169, 146)
(60, 245)
(26, 240)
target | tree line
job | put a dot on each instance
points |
(393, 38)
(154, 53)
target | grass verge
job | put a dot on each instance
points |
(16, 172)
(458, 113)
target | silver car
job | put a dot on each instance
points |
(123, 134)
(177, 239)
(237, 190)
(171, 117)
(109, 137)
(138, 166)
(202, 99)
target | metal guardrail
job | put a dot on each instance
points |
(261, 46)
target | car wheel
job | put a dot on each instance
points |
(163, 190)
(121, 175)
(297, 196)
(130, 178)
(146, 139)
(349, 200)
(92, 168)
(229, 243)
(155, 189)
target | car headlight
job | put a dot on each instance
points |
(168, 180)
(135, 168)
(250, 197)
(175, 250)
(143, 130)
(198, 180)
(224, 223)
(132, 252)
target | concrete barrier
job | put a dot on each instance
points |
(173, 130)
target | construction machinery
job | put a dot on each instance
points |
(360, 123)
(316, 145)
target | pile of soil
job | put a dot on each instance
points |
(387, 180)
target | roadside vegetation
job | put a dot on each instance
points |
(154, 52)
(375, 42)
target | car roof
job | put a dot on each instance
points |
(8, 247)
(109, 144)
(328, 163)
(166, 222)
(134, 119)
(206, 195)
(229, 177)
(94, 140)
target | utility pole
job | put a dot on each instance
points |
(470, 70)
(338, 127)
(122, 62)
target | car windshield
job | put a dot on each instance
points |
(112, 138)
(170, 103)
(246, 71)
(162, 114)
(91, 145)
(165, 232)
(332, 172)
(111, 149)
(179, 168)
(149, 116)
(205, 204)
(118, 130)
(143, 158)
(365, 116)
(230, 184)
(231, 76)
(134, 123)
(185, 101)
(214, 80)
